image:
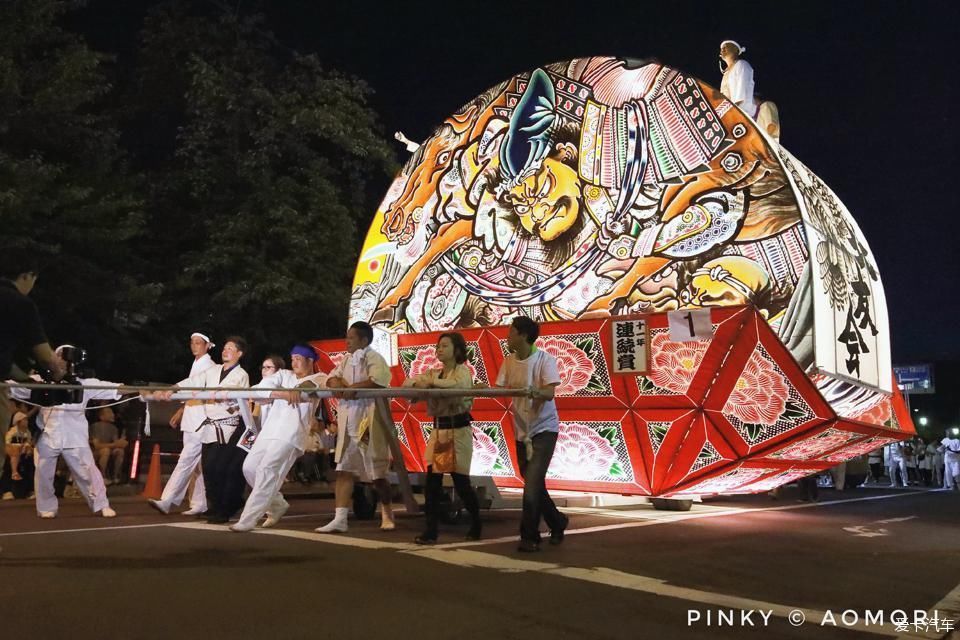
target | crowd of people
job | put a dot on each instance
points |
(228, 452)
(234, 455)
(919, 462)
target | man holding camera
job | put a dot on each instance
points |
(66, 433)
(20, 326)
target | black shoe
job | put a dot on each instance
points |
(556, 535)
(474, 532)
(217, 519)
(425, 538)
(528, 546)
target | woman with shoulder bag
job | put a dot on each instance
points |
(450, 447)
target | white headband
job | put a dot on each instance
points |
(736, 44)
(62, 347)
(197, 334)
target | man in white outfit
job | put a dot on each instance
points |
(281, 439)
(896, 460)
(66, 433)
(188, 418)
(950, 446)
(363, 445)
(737, 83)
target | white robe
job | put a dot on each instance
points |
(370, 460)
(188, 463)
(237, 378)
(951, 461)
(737, 86)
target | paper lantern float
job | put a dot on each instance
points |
(606, 187)
(731, 414)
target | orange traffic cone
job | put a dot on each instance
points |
(154, 487)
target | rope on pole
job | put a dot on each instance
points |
(221, 394)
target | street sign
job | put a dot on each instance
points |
(915, 378)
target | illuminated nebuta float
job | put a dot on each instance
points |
(617, 202)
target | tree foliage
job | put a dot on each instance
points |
(65, 192)
(220, 183)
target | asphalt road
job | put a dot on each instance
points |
(730, 568)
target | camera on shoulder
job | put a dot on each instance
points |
(73, 357)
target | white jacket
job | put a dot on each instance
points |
(65, 426)
(287, 422)
(236, 378)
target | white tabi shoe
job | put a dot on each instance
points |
(387, 525)
(193, 511)
(273, 518)
(159, 506)
(241, 528)
(107, 512)
(46, 515)
(334, 526)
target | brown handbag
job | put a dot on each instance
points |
(444, 452)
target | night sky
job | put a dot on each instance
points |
(866, 90)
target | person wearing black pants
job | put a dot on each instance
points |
(450, 447)
(223, 467)
(220, 458)
(537, 426)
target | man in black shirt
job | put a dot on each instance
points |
(20, 326)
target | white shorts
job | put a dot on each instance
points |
(357, 460)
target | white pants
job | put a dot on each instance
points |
(951, 473)
(187, 466)
(265, 468)
(86, 477)
(892, 470)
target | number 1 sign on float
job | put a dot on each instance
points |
(690, 325)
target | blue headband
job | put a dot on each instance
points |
(303, 350)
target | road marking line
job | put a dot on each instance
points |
(329, 538)
(679, 517)
(634, 582)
